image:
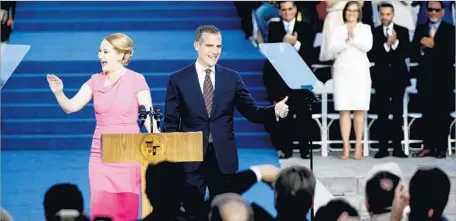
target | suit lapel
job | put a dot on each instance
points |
(437, 32)
(381, 33)
(295, 27)
(284, 29)
(195, 86)
(219, 79)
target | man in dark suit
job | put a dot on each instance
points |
(202, 97)
(433, 47)
(390, 49)
(296, 126)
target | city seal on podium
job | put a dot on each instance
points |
(151, 147)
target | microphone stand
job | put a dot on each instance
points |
(151, 116)
(310, 101)
(142, 117)
(155, 113)
(158, 115)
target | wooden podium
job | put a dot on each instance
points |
(151, 149)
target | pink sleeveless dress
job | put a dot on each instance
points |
(115, 188)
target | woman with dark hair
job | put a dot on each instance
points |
(349, 44)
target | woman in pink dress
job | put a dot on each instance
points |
(117, 93)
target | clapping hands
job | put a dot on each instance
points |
(351, 34)
(292, 39)
(391, 39)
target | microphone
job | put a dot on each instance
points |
(142, 115)
(158, 115)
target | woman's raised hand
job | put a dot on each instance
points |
(55, 83)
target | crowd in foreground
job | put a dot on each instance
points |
(387, 196)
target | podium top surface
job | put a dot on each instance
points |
(289, 64)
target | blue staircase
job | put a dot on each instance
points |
(64, 39)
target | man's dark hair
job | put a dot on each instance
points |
(441, 4)
(205, 29)
(279, 3)
(429, 189)
(380, 192)
(334, 209)
(386, 5)
(295, 190)
(62, 196)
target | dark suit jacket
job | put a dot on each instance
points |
(390, 66)
(277, 88)
(435, 75)
(306, 35)
(186, 111)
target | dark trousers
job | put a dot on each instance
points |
(436, 120)
(388, 99)
(208, 175)
(436, 101)
(5, 32)
(297, 126)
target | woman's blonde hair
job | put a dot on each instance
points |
(122, 44)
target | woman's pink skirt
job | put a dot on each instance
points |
(114, 189)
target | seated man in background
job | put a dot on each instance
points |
(296, 125)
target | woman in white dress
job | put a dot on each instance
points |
(333, 19)
(350, 43)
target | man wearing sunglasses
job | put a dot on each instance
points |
(422, 14)
(433, 47)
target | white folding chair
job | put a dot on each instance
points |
(321, 118)
(409, 118)
(453, 123)
(315, 67)
(452, 140)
